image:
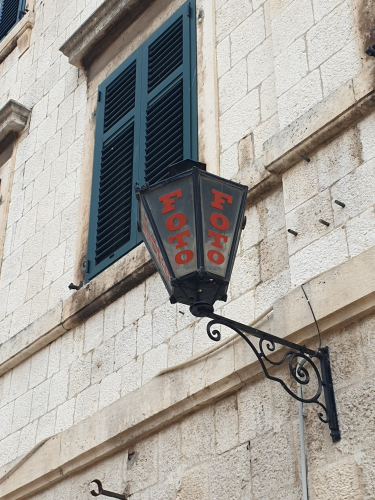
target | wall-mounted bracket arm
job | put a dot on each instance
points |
(315, 363)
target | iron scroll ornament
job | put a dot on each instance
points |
(300, 372)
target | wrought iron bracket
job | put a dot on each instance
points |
(301, 361)
(105, 492)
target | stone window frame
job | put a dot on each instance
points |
(13, 119)
(20, 34)
(120, 27)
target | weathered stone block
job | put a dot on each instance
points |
(230, 15)
(194, 483)
(181, 346)
(291, 23)
(248, 35)
(58, 389)
(153, 361)
(226, 424)
(356, 190)
(110, 388)
(333, 32)
(86, 403)
(134, 304)
(93, 331)
(125, 347)
(142, 465)
(300, 98)
(80, 374)
(239, 120)
(198, 437)
(290, 66)
(163, 323)
(230, 474)
(273, 255)
(322, 254)
(223, 56)
(341, 67)
(305, 220)
(233, 86)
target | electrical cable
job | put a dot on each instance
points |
(316, 323)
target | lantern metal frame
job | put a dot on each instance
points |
(186, 290)
(299, 359)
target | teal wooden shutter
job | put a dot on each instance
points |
(11, 11)
(146, 121)
(170, 133)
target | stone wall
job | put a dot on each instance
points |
(246, 446)
(275, 60)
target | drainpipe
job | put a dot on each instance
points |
(305, 495)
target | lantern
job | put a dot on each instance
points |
(191, 225)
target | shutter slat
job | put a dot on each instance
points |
(162, 158)
(109, 219)
(110, 155)
(156, 118)
(163, 66)
(109, 193)
(170, 130)
(115, 105)
(164, 137)
(115, 194)
(165, 55)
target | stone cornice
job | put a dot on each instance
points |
(13, 118)
(340, 110)
(10, 41)
(101, 29)
(170, 396)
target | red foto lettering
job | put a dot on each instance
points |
(169, 201)
(179, 237)
(220, 222)
(170, 222)
(188, 254)
(220, 199)
(218, 237)
(215, 256)
(215, 218)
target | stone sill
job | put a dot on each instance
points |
(168, 397)
(10, 41)
(101, 29)
(13, 118)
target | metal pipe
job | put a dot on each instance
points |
(305, 494)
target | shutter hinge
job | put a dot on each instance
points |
(99, 95)
(188, 9)
(85, 266)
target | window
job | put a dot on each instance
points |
(146, 120)
(11, 11)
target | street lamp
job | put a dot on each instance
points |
(191, 224)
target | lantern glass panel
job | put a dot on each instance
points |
(172, 208)
(221, 206)
(153, 247)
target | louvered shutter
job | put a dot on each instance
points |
(112, 230)
(11, 12)
(146, 121)
(169, 116)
